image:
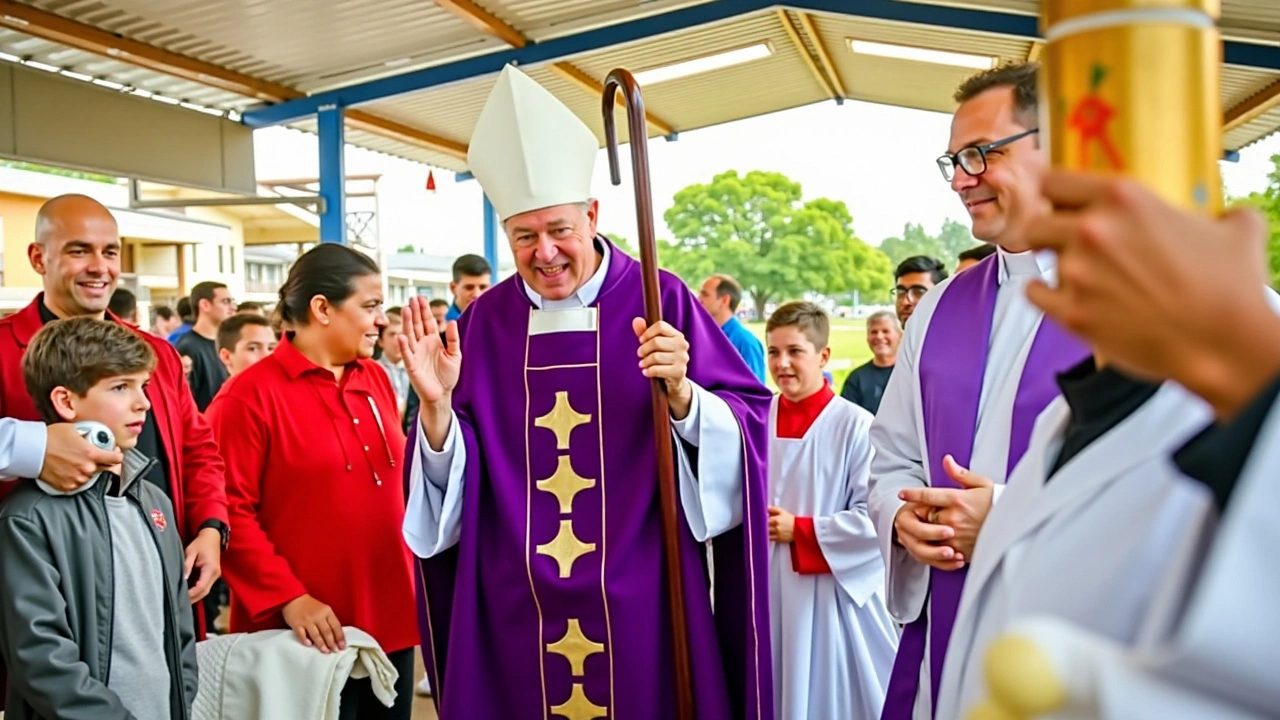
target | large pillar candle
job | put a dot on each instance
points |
(1131, 86)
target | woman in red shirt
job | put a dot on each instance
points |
(312, 440)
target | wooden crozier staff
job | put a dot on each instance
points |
(653, 313)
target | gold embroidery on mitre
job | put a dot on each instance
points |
(575, 647)
(566, 548)
(562, 420)
(578, 707)
(565, 484)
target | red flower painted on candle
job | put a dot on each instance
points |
(1091, 117)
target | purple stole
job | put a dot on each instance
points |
(953, 360)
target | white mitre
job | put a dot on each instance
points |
(528, 150)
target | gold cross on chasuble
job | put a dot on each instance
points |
(562, 420)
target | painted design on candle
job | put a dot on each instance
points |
(1091, 117)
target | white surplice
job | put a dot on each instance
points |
(1102, 543)
(1221, 661)
(833, 639)
(711, 493)
(898, 431)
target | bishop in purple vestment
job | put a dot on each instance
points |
(533, 472)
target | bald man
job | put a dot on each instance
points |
(77, 253)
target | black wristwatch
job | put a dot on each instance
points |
(223, 529)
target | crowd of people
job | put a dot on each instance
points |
(1055, 439)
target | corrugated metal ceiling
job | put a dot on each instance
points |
(287, 42)
(545, 19)
(904, 82)
(1240, 19)
(110, 70)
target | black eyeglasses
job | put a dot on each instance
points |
(915, 291)
(973, 159)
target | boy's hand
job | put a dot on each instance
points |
(314, 624)
(70, 460)
(782, 525)
(205, 553)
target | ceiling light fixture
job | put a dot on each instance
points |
(936, 57)
(703, 64)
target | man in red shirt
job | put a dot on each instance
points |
(77, 253)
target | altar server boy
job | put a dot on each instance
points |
(833, 639)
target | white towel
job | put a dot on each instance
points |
(269, 674)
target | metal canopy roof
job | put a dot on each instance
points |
(414, 74)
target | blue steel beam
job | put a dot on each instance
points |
(1266, 57)
(333, 176)
(491, 239)
(1003, 23)
(992, 21)
(493, 63)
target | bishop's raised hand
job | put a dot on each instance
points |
(433, 365)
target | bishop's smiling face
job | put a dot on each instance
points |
(554, 248)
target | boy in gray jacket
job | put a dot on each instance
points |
(95, 621)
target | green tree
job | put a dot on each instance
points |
(1268, 202)
(953, 239)
(946, 246)
(623, 244)
(411, 248)
(756, 228)
(913, 241)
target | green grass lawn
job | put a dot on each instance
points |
(848, 347)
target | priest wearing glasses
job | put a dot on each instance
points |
(976, 366)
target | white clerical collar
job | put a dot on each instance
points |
(585, 296)
(1028, 263)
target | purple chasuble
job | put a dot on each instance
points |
(953, 361)
(553, 602)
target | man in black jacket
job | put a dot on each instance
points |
(865, 385)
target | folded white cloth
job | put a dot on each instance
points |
(269, 674)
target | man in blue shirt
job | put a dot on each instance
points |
(720, 295)
(188, 320)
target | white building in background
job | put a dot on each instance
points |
(265, 268)
(409, 274)
(404, 274)
(165, 251)
(445, 222)
(250, 248)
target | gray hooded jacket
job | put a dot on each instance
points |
(57, 599)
